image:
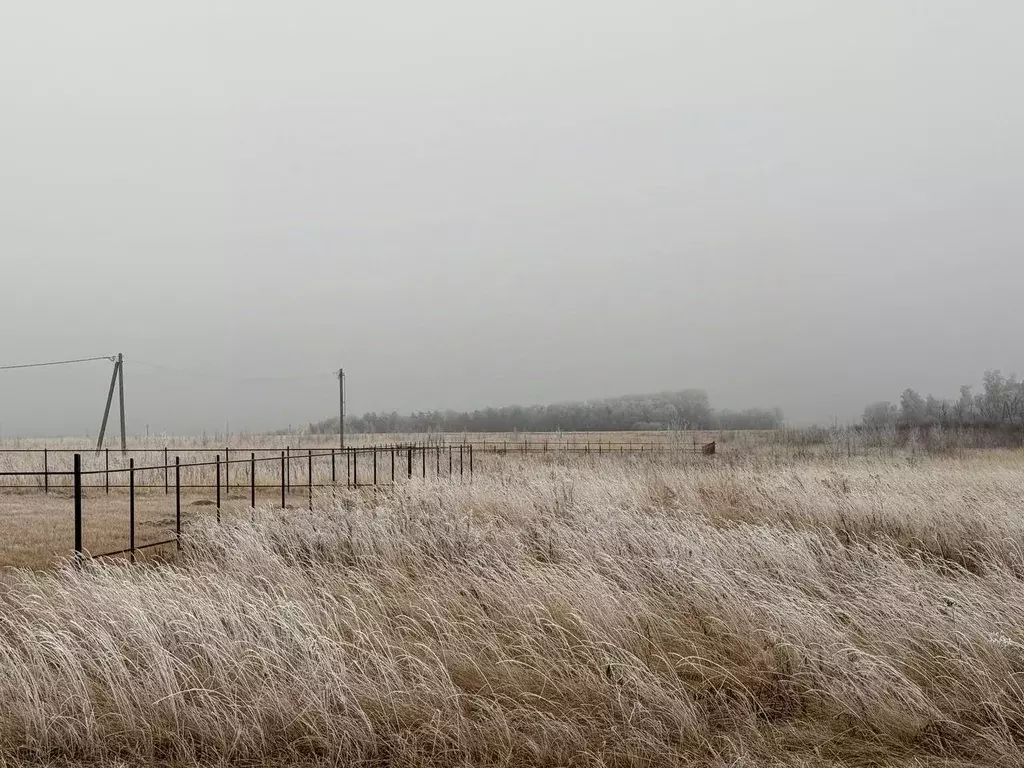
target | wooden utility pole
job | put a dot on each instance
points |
(341, 407)
(116, 378)
(120, 392)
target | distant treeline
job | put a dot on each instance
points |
(686, 409)
(999, 404)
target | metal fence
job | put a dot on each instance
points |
(382, 466)
(355, 466)
(286, 471)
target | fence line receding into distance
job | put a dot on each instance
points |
(361, 466)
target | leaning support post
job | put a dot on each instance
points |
(106, 410)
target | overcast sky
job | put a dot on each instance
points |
(802, 203)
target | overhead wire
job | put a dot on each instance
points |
(111, 358)
(203, 373)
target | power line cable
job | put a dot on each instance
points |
(111, 358)
(206, 374)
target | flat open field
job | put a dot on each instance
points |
(784, 608)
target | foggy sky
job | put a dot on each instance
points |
(797, 203)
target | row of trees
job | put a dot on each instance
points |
(686, 409)
(1000, 403)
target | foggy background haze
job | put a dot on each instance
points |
(798, 204)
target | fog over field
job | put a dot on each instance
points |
(796, 204)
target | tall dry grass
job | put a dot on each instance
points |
(553, 613)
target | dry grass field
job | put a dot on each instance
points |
(754, 609)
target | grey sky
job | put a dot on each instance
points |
(801, 203)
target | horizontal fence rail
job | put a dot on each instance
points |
(477, 444)
(249, 471)
(104, 466)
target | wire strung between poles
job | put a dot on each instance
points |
(111, 358)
